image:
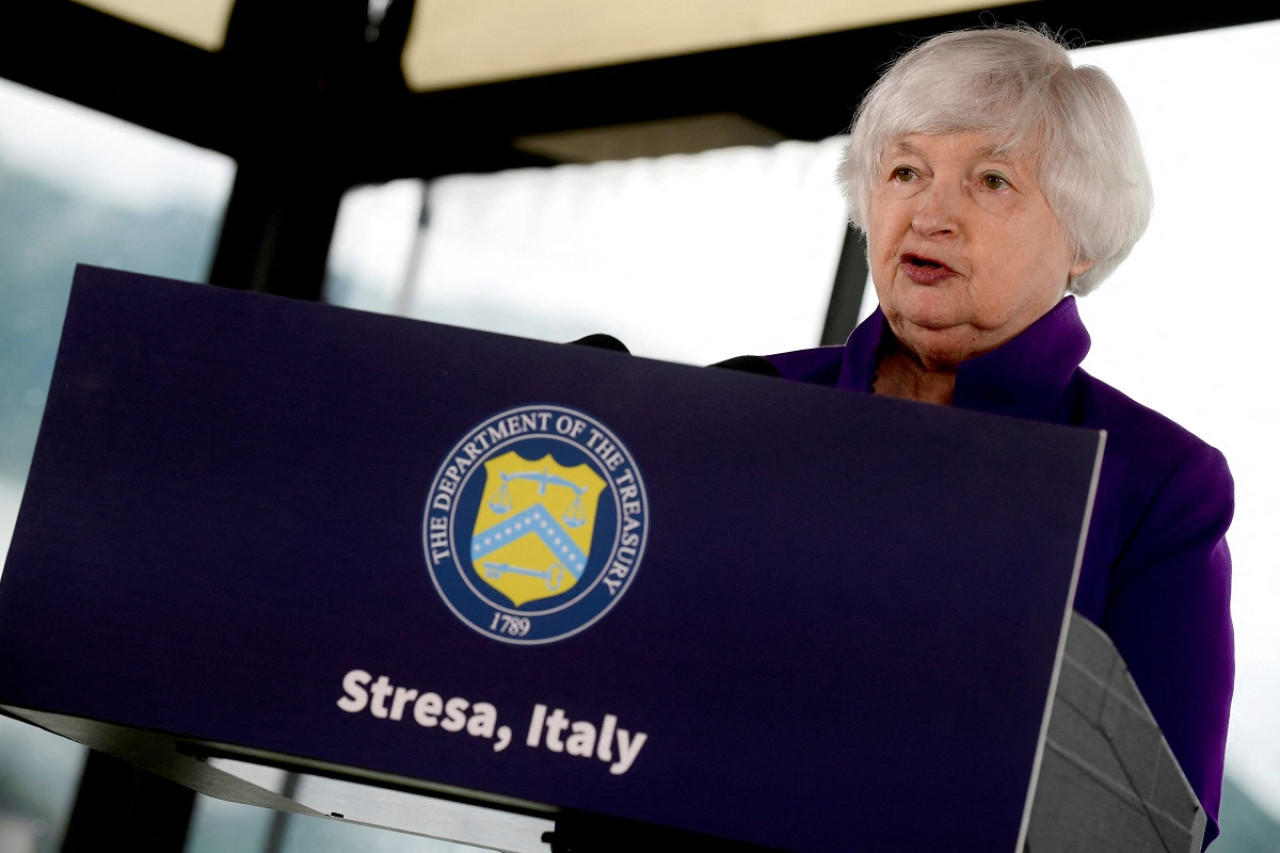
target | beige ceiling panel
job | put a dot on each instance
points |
(463, 42)
(202, 23)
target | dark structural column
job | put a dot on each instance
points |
(122, 807)
(313, 82)
(846, 291)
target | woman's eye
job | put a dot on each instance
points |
(903, 174)
(993, 181)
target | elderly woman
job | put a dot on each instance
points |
(993, 180)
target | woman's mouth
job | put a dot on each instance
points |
(924, 270)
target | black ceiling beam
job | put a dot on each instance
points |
(364, 125)
(115, 67)
(805, 88)
(309, 81)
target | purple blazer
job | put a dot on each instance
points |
(1156, 574)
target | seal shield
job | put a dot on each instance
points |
(532, 536)
(535, 524)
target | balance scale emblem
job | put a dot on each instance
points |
(532, 534)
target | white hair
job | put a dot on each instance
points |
(1019, 83)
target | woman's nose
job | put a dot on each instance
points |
(937, 213)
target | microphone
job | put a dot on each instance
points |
(601, 341)
(756, 364)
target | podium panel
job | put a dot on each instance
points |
(537, 576)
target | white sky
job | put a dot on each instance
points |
(104, 157)
(690, 258)
(1185, 325)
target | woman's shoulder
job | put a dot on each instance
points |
(818, 366)
(1147, 444)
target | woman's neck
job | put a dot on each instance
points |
(899, 374)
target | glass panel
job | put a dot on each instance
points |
(38, 776)
(680, 257)
(75, 186)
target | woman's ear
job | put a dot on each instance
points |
(1080, 268)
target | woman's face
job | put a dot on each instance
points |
(964, 250)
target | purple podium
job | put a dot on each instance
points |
(403, 557)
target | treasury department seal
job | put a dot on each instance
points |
(535, 524)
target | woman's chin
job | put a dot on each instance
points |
(938, 345)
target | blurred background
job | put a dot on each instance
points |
(662, 172)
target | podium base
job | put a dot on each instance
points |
(1107, 779)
